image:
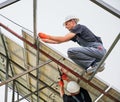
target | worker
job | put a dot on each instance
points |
(91, 49)
(77, 93)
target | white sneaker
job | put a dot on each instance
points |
(91, 69)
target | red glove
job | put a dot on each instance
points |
(64, 76)
(61, 83)
(43, 35)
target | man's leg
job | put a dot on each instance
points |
(84, 56)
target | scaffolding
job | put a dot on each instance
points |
(31, 70)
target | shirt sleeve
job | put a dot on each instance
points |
(77, 30)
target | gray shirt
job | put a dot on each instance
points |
(84, 36)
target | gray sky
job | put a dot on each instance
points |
(50, 17)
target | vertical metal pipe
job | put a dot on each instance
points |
(34, 19)
(6, 85)
(37, 43)
(7, 68)
(38, 71)
(13, 92)
(17, 95)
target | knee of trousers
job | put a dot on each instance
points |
(72, 53)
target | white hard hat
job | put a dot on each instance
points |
(73, 87)
(70, 18)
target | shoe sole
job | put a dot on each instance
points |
(99, 70)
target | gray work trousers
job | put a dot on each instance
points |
(86, 56)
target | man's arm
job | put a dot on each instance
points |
(60, 39)
(61, 91)
(61, 84)
(56, 39)
(49, 41)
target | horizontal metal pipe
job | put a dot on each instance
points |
(107, 7)
(7, 3)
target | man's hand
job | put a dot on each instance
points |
(61, 83)
(64, 77)
(43, 35)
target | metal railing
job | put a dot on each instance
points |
(56, 61)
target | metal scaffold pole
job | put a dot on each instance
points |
(35, 19)
(7, 70)
(36, 41)
(7, 3)
(107, 54)
(107, 7)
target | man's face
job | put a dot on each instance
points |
(70, 24)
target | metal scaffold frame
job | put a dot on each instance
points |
(12, 80)
(51, 59)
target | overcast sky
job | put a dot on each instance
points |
(50, 17)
